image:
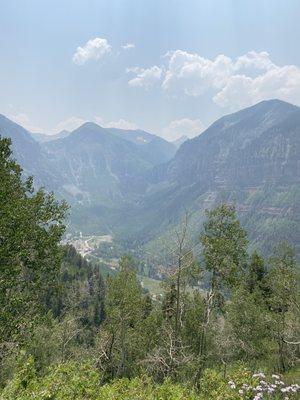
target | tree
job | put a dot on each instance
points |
(31, 227)
(225, 254)
(247, 321)
(283, 285)
(183, 268)
(118, 342)
(172, 354)
(257, 273)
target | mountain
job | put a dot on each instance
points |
(41, 137)
(155, 149)
(178, 142)
(250, 158)
(134, 184)
(29, 154)
(99, 171)
(102, 171)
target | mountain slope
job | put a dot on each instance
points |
(102, 172)
(119, 182)
(250, 158)
(155, 149)
(234, 142)
(29, 154)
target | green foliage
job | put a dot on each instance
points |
(81, 381)
(256, 273)
(248, 321)
(283, 301)
(64, 381)
(224, 246)
(65, 333)
(119, 337)
(31, 227)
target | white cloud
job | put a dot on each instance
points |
(193, 74)
(252, 59)
(145, 77)
(241, 82)
(128, 46)
(24, 120)
(278, 82)
(68, 124)
(94, 49)
(120, 124)
(183, 127)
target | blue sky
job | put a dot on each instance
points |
(187, 63)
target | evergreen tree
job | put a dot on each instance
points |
(257, 274)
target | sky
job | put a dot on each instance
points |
(169, 67)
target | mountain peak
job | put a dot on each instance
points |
(89, 125)
(272, 104)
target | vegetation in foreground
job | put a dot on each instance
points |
(67, 333)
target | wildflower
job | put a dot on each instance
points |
(258, 388)
(295, 387)
(232, 384)
(259, 375)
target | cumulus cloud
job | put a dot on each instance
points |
(183, 127)
(128, 46)
(278, 82)
(145, 78)
(94, 49)
(193, 74)
(253, 59)
(120, 124)
(231, 83)
(24, 120)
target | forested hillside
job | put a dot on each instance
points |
(226, 326)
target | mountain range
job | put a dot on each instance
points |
(137, 185)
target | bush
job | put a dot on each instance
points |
(72, 381)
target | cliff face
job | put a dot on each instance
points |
(250, 158)
(256, 145)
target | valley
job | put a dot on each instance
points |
(135, 187)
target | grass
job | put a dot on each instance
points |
(153, 285)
